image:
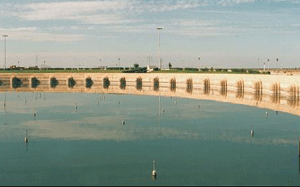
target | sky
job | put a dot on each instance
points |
(81, 33)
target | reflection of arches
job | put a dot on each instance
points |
(223, 88)
(206, 86)
(123, 83)
(276, 93)
(71, 82)
(293, 99)
(89, 82)
(258, 91)
(240, 89)
(34, 82)
(139, 83)
(106, 83)
(189, 85)
(173, 85)
(156, 84)
(53, 82)
(16, 82)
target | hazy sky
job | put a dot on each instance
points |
(223, 33)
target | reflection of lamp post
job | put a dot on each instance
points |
(5, 36)
(159, 62)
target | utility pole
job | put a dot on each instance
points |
(5, 36)
(199, 64)
(159, 60)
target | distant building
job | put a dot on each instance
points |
(151, 68)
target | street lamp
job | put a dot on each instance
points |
(199, 64)
(159, 62)
(277, 64)
(119, 63)
(100, 63)
(5, 36)
(269, 64)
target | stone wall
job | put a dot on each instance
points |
(277, 92)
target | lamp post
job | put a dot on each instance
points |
(99, 62)
(159, 62)
(119, 63)
(199, 64)
(5, 36)
(269, 64)
(277, 64)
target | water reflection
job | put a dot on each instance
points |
(182, 140)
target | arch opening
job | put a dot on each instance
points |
(293, 99)
(189, 85)
(206, 86)
(240, 89)
(16, 82)
(106, 83)
(139, 83)
(123, 83)
(258, 91)
(88, 82)
(53, 82)
(71, 82)
(275, 98)
(156, 84)
(34, 82)
(173, 85)
(223, 90)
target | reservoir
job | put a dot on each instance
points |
(80, 139)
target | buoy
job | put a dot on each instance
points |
(153, 173)
(163, 110)
(252, 133)
(123, 122)
(26, 138)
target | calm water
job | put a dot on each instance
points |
(192, 145)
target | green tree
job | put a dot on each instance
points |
(136, 66)
(170, 65)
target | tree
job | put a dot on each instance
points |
(170, 65)
(136, 66)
